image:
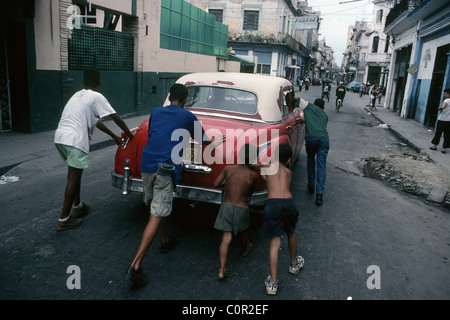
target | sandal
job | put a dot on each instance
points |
(166, 247)
(434, 149)
(244, 252)
(224, 275)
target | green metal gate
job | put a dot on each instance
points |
(101, 49)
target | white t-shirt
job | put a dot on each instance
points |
(79, 118)
(445, 114)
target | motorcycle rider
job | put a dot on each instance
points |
(340, 93)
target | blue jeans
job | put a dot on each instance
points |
(317, 152)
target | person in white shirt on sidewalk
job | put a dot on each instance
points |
(79, 118)
(443, 124)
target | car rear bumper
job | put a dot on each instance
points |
(133, 185)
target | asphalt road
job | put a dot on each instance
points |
(368, 241)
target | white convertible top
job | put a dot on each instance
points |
(267, 89)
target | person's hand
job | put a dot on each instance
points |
(217, 140)
(133, 133)
(118, 140)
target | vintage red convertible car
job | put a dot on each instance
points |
(245, 108)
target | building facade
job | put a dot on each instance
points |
(140, 48)
(269, 34)
(379, 56)
(420, 66)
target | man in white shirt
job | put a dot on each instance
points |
(80, 116)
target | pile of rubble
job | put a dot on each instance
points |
(391, 170)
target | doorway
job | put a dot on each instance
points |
(400, 76)
(5, 98)
(437, 83)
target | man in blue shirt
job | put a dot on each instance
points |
(168, 132)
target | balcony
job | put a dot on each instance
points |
(404, 6)
(280, 38)
(378, 58)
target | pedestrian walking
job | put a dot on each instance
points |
(233, 218)
(380, 94)
(317, 144)
(161, 172)
(326, 91)
(443, 124)
(80, 116)
(280, 217)
(373, 97)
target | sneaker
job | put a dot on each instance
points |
(68, 224)
(295, 267)
(166, 247)
(137, 277)
(81, 211)
(271, 287)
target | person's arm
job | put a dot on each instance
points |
(101, 126)
(444, 105)
(220, 180)
(122, 125)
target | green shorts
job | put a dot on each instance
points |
(232, 218)
(158, 193)
(75, 157)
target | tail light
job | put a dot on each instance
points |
(126, 185)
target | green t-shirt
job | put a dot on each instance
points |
(316, 120)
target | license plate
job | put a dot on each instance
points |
(192, 154)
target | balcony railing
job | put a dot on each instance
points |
(279, 38)
(378, 57)
(400, 8)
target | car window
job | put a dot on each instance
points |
(224, 99)
(287, 102)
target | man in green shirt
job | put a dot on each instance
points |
(317, 144)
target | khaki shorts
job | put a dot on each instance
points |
(75, 157)
(232, 218)
(158, 193)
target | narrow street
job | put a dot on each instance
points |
(363, 223)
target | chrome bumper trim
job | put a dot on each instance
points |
(135, 186)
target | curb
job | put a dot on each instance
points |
(436, 195)
(408, 142)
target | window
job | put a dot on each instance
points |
(221, 99)
(287, 102)
(380, 16)
(363, 56)
(88, 17)
(218, 13)
(388, 42)
(251, 20)
(376, 41)
(263, 68)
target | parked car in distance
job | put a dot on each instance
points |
(245, 108)
(316, 82)
(354, 86)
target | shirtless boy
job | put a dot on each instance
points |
(234, 214)
(280, 216)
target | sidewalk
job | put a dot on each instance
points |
(419, 138)
(412, 133)
(17, 147)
